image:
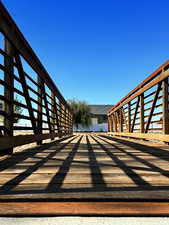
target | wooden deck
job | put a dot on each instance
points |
(87, 169)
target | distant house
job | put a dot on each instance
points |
(98, 118)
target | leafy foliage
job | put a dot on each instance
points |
(81, 113)
(17, 110)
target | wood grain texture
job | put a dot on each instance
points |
(148, 136)
(84, 208)
(8, 142)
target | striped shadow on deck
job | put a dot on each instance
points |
(87, 167)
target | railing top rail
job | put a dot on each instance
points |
(11, 31)
(157, 72)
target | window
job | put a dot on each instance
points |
(102, 119)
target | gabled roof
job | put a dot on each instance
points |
(100, 109)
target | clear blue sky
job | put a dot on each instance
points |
(95, 50)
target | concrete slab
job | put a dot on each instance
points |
(85, 221)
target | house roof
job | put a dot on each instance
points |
(100, 109)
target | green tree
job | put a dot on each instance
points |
(81, 113)
(17, 110)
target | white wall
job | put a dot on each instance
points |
(86, 221)
(94, 127)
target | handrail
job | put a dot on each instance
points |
(143, 83)
(42, 104)
(144, 112)
(9, 28)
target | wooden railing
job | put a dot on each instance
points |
(144, 112)
(29, 99)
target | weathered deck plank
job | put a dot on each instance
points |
(84, 208)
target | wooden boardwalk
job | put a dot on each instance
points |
(87, 167)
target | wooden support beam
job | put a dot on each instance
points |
(165, 107)
(53, 114)
(8, 93)
(64, 118)
(25, 91)
(9, 142)
(153, 106)
(142, 113)
(67, 120)
(115, 122)
(69, 116)
(129, 117)
(118, 121)
(148, 136)
(71, 123)
(121, 120)
(135, 114)
(56, 114)
(47, 109)
(39, 123)
(110, 124)
(61, 117)
(124, 118)
(84, 208)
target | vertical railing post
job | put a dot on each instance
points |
(53, 115)
(115, 121)
(142, 113)
(65, 118)
(68, 127)
(165, 107)
(110, 123)
(118, 121)
(121, 120)
(60, 119)
(71, 124)
(129, 117)
(47, 110)
(108, 119)
(8, 93)
(56, 115)
(39, 125)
